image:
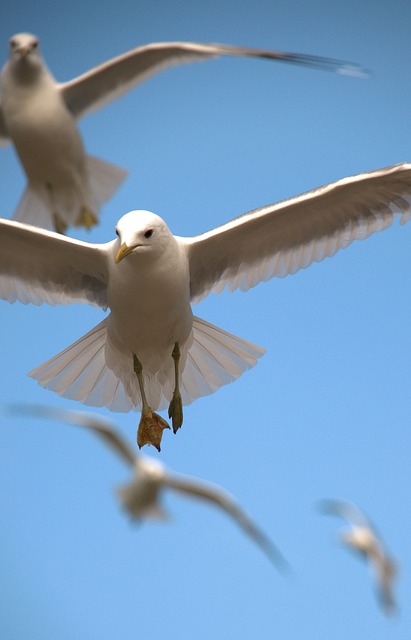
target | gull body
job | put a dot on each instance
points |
(362, 538)
(39, 116)
(156, 272)
(142, 496)
(65, 187)
(150, 344)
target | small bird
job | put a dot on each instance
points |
(141, 497)
(150, 352)
(363, 539)
(39, 116)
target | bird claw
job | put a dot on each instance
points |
(86, 218)
(175, 411)
(150, 429)
(59, 224)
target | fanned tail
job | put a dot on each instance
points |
(104, 180)
(95, 372)
(33, 208)
(73, 204)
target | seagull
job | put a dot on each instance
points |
(141, 497)
(150, 352)
(362, 538)
(39, 116)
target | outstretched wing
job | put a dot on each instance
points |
(113, 78)
(282, 238)
(346, 510)
(217, 496)
(40, 266)
(102, 427)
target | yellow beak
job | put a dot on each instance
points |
(123, 252)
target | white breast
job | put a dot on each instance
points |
(150, 304)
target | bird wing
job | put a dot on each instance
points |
(346, 510)
(40, 266)
(4, 136)
(282, 238)
(386, 571)
(102, 427)
(224, 500)
(113, 78)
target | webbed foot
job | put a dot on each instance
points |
(86, 218)
(150, 429)
(175, 411)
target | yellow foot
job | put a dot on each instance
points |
(59, 224)
(86, 218)
(150, 429)
(175, 411)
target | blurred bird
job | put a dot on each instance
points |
(141, 497)
(363, 539)
(38, 115)
(150, 352)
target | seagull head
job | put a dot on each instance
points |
(141, 233)
(23, 45)
(25, 57)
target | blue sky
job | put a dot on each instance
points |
(325, 413)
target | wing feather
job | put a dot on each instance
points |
(112, 79)
(282, 238)
(38, 266)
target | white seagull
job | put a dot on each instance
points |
(38, 115)
(150, 352)
(363, 539)
(141, 497)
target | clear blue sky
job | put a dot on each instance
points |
(326, 412)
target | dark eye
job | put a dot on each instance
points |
(148, 233)
(117, 233)
(13, 43)
(35, 44)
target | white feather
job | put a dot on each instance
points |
(84, 371)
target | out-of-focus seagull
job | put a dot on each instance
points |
(141, 497)
(150, 352)
(363, 539)
(38, 115)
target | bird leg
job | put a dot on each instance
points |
(59, 224)
(86, 218)
(175, 410)
(151, 427)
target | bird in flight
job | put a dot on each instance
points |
(362, 538)
(150, 352)
(141, 497)
(39, 116)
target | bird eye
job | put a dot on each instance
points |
(148, 233)
(13, 43)
(35, 44)
(117, 233)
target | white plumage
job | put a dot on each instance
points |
(38, 115)
(148, 278)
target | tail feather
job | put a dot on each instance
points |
(214, 359)
(37, 205)
(104, 179)
(80, 373)
(33, 208)
(84, 371)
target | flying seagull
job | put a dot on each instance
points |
(150, 352)
(141, 497)
(362, 538)
(38, 115)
